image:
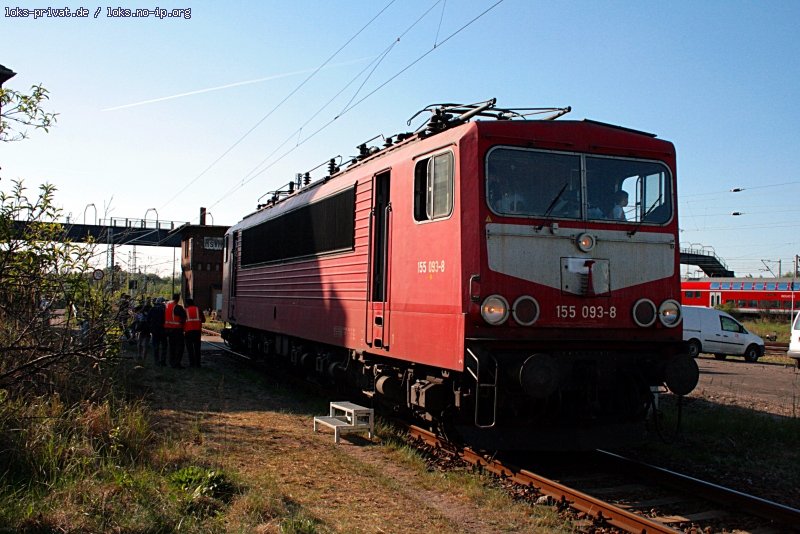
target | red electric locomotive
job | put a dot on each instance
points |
(515, 280)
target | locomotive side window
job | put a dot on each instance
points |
(318, 228)
(433, 187)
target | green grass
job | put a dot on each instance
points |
(767, 326)
(764, 327)
(98, 466)
(759, 450)
(216, 326)
(482, 490)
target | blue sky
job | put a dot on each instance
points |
(717, 78)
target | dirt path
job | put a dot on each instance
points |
(245, 422)
(251, 424)
(763, 387)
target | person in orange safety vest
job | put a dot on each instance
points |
(174, 317)
(192, 331)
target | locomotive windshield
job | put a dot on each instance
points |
(530, 183)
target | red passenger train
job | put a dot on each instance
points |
(778, 296)
(485, 273)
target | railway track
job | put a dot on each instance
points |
(611, 492)
(607, 491)
(776, 348)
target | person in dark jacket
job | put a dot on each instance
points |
(141, 327)
(123, 317)
(155, 319)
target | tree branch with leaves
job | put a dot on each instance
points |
(21, 111)
(55, 320)
(53, 315)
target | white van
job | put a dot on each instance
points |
(794, 341)
(715, 332)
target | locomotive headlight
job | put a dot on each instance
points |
(585, 242)
(525, 310)
(669, 313)
(494, 309)
(644, 312)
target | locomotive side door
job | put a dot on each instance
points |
(231, 256)
(377, 330)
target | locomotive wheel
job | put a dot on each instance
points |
(694, 348)
(751, 354)
(720, 356)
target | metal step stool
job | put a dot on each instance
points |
(346, 417)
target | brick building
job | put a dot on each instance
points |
(201, 263)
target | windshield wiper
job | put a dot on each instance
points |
(553, 204)
(656, 204)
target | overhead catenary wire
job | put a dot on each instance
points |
(441, 18)
(739, 189)
(356, 104)
(750, 211)
(373, 65)
(298, 132)
(420, 58)
(277, 106)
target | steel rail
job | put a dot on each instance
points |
(729, 497)
(600, 511)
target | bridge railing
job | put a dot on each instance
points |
(152, 224)
(705, 251)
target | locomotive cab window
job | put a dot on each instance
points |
(628, 190)
(534, 183)
(526, 183)
(433, 187)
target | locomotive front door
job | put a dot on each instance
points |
(377, 330)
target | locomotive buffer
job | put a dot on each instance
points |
(347, 417)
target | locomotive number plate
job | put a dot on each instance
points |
(586, 312)
(432, 266)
